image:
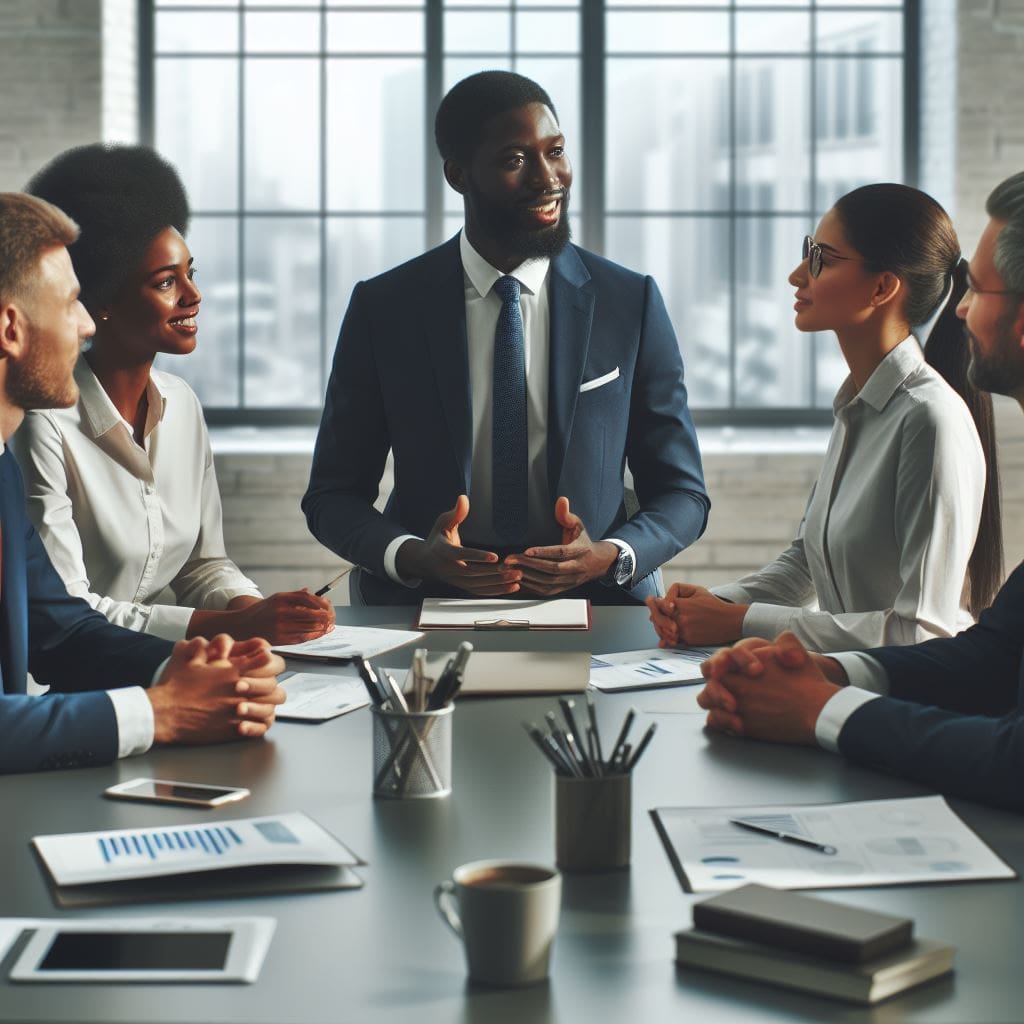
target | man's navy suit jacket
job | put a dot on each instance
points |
(955, 715)
(63, 643)
(400, 381)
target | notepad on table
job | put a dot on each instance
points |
(504, 613)
(344, 643)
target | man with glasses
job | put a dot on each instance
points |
(949, 712)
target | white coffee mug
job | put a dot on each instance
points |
(506, 915)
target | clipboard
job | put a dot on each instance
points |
(500, 614)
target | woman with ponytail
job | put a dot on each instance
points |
(901, 538)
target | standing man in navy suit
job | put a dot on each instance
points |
(101, 704)
(513, 375)
(950, 712)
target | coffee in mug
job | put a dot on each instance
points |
(506, 915)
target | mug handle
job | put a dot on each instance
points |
(444, 900)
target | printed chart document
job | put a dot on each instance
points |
(343, 643)
(877, 842)
(504, 613)
(80, 858)
(648, 669)
(317, 698)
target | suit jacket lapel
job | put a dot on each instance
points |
(444, 324)
(571, 316)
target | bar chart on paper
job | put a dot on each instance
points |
(84, 857)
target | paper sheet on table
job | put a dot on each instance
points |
(879, 842)
(317, 698)
(648, 669)
(79, 858)
(504, 613)
(346, 642)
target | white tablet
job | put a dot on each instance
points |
(160, 949)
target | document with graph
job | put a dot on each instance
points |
(81, 858)
(824, 846)
(648, 669)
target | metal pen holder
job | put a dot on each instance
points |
(593, 820)
(412, 753)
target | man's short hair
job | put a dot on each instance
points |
(1006, 203)
(471, 103)
(122, 197)
(28, 227)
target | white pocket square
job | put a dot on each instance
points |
(598, 382)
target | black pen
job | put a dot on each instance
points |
(622, 735)
(331, 584)
(786, 837)
(552, 753)
(641, 747)
(575, 735)
(451, 678)
(592, 714)
(370, 681)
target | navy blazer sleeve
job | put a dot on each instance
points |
(956, 720)
(64, 644)
(661, 447)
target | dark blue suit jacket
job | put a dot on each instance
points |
(63, 643)
(400, 381)
(955, 717)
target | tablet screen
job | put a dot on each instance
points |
(137, 951)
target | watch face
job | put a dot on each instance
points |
(623, 568)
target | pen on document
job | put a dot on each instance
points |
(331, 584)
(786, 837)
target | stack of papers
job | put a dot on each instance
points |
(504, 613)
(318, 698)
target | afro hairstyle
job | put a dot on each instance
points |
(471, 103)
(122, 197)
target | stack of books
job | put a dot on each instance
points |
(810, 944)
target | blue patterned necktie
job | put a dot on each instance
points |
(509, 440)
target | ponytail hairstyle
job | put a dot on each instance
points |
(903, 230)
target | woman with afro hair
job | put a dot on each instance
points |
(121, 486)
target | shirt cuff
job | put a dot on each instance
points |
(168, 621)
(134, 715)
(864, 672)
(390, 560)
(836, 711)
(767, 620)
(623, 546)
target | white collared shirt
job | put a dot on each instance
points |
(482, 308)
(881, 555)
(122, 522)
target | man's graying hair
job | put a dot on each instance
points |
(1006, 203)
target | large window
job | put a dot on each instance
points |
(707, 140)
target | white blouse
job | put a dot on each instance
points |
(120, 522)
(881, 554)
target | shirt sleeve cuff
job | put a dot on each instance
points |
(767, 620)
(168, 621)
(628, 548)
(391, 557)
(134, 715)
(836, 711)
(864, 672)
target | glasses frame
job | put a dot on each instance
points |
(814, 255)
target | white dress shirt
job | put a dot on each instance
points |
(881, 555)
(482, 308)
(123, 522)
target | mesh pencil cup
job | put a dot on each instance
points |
(412, 753)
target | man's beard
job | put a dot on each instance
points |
(502, 224)
(38, 382)
(1001, 369)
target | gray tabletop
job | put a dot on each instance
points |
(380, 954)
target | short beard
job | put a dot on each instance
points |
(523, 243)
(36, 384)
(1001, 370)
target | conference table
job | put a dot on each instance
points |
(381, 953)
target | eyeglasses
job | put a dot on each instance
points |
(814, 255)
(971, 287)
